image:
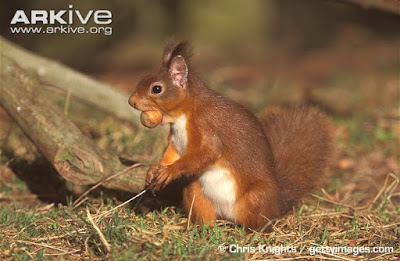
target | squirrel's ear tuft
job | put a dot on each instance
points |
(172, 49)
(178, 71)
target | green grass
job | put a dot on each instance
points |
(43, 232)
(163, 233)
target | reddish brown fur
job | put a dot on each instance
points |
(273, 164)
(301, 141)
(197, 205)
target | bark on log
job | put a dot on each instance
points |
(81, 86)
(74, 156)
(86, 89)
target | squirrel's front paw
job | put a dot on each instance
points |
(163, 177)
(152, 172)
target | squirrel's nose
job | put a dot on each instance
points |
(132, 101)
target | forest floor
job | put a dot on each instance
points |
(358, 207)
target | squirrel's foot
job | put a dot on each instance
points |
(152, 172)
(163, 176)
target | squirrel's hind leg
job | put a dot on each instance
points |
(258, 206)
(197, 205)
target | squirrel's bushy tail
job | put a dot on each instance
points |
(301, 141)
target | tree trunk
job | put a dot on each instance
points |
(81, 86)
(74, 155)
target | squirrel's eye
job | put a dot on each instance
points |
(156, 89)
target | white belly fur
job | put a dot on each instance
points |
(218, 186)
(179, 134)
(217, 183)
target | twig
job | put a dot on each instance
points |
(120, 205)
(79, 201)
(342, 214)
(59, 236)
(87, 245)
(258, 233)
(102, 238)
(385, 188)
(59, 254)
(190, 212)
(43, 245)
(338, 203)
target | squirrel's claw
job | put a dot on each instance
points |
(162, 179)
(151, 173)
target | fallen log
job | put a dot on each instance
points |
(86, 89)
(83, 87)
(73, 155)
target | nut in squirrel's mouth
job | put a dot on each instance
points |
(151, 118)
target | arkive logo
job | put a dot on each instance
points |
(61, 22)
(100, 17)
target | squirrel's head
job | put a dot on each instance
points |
(166, 89)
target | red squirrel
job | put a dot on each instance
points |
(239, 168)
